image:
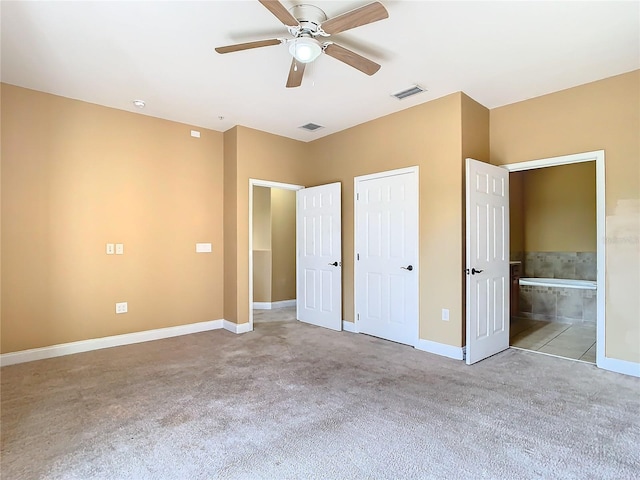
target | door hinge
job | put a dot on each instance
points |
(358, 315)
(357, 196)
(357, 256)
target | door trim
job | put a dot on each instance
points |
(602, 361)
(253, 182)
(372, 176)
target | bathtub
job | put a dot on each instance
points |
(558, 299)
(559, 283)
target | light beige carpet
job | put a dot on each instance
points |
(295, 401)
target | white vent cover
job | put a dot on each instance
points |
(412, 90)
(311, 127)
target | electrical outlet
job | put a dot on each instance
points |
(111, 249)
(121, 307)
(445, 314)
(119, 248)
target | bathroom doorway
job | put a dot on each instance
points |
(557, 256)
(272, 255)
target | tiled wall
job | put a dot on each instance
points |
(570, 305)
(571, 265)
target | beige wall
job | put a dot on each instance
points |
(274, 244)
(263, 156)
(599, 115)
(560, 208)
(262, 257)
(262, 272)
(230, 224)
(76, 176)
(261, 218)
(516, 215)
(283, 244)
(428, 135)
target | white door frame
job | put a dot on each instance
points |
(602, 361)
(388, 173)
(253, 182)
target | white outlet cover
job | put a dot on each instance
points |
(110, 249)
(121, 307)
(119, 248)
(445, 314)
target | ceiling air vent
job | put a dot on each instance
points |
(311, 127)
(412, 90)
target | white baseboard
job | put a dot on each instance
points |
(284, 303)
(236, 327)
(620, 366)
(108, 342)
(457, 353)
(349, 326)
(274, 305)
(262, 305)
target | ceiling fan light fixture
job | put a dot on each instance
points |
(305, 49)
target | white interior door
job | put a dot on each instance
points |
(487, 221)
(319, 244)
(386, 266)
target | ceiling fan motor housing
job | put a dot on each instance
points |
(310, 17)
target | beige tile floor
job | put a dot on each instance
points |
(575, 341)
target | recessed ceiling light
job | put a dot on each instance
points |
(139, 103)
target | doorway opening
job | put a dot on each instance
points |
(272, 251)
(557, 256)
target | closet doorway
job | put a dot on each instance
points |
(272, 251)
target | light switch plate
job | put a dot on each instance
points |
(203, 248)
(445, 314)
(110, 249)
(119, 248)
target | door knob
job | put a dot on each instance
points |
(334, 264)
(410, 267)
(474, 271)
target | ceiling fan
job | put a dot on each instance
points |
(307, 22)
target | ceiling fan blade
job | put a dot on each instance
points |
(280, 11)
(355, 18)
(246, 46)
(351, 58)
(295, 74)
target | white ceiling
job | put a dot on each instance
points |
(497, 52)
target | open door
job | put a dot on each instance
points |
(319, 245)
(487, 269)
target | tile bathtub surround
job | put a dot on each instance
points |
(570, 265)
(558, 304)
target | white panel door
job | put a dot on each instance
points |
(386, 262)
(319, 245)
(487, 240)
